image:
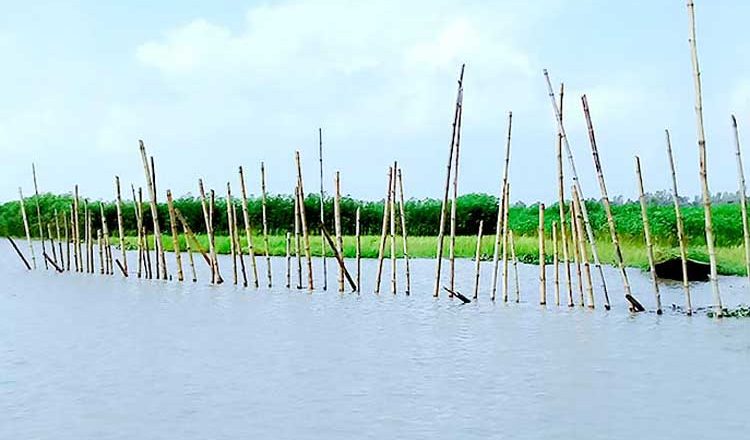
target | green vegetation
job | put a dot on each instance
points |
(422, 218)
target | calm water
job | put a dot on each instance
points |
(92, 357)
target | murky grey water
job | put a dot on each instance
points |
(86, 356)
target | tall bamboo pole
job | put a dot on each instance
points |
(515, 267)
(506, 208)
(121, 227)
(358, 249)
(212, 236)
(158, 245)
(248, 232)
(337, 224)
(576, 256)
(149, 173)
(230, 226)
(87, 225)
(265, 221)
(477, 260)
(26, 228)
(441, 227)
(703, 166)
(207, 218)
(742, 192)
(647, 235)
(38, 214)
(542, 266)
(404, 234)
(303, 223)
(384, 230)
(297, 240)
(139, 226)
(500, 228)
(556, 263)
(680, 227)
(578, 204)
(77, 231)
(288, 260)
(605, 197)
(454, 203)
(392, 209)
(67, 240)
(323, 252)
(175, 236)
(561, 206)
(238, 245)
(574, 175)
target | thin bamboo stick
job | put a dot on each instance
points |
(100, 245)
(147, 255)
(500, 229)
(189, 249)
(121, 227)
(77, 231)
(212, 237)
(150, 174)
(297, 239)
(542, 266)
(248, 232)
(208, 219)
(230, 226)
(139, 236)
(26, 228)
(339, 258)
(454, 203)
(18, 251)
(384, 230)
(515, 267)
(265, 222)
(605, 198)
(158, 241)
(681, 238)
(175, 236)
(477, 260)
(288, 260)
(441, 228)
(323, 252)
(358, 249)
(703, 158)
(574, 175)
(647, 235)
(404, 234)
(578, 203)
(303, 223)
(87, 235)
(38, 213)
(556, 263)
(192, 237)
(108, 269)
(67, 240)
(238, 246)
(337, 225)
(505, 226)
(576, 256)
(392, 209)
(742, 192)
(52, 242)
(59, 239)
(561, 207)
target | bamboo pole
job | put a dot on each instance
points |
(150, 174)
(208, 219)
(87, 235)
(175, 236)
(238, 245)
(323, 253)
(681, 238)
(121, 227)
(50, 261)
(515, 267)
(67, 240)
(647, 235)
(404, 234)
(265, 222)
(574, 175)
(230, 226)
(100, 246)
(337, 225)
(139, 227)
(542, 270)
(556, 263)
(108, 267)
(303, 223)
(339, 258)
(212, 237)
(384, 230)
(77, 231)
(605, 198)
(147, 255)
(20, 254)
(561, 207)
(189, 249)
(248, 232)
(158, 245)
(26, 228)
(703, 158)
(477, 260)
(297, 240)
(392, 209)
(191, 236)
(358, 250)
(506, 209)
(742, 192)
(576, 256)
(52, 242)
(500, 228)
(59, 239)
(441, 228)
(454, 203)
(38, 213)
(578, 203)
(288, 260)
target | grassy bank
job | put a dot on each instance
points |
(730, 258)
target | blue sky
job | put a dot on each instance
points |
(213, 85)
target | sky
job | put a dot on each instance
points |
(213, 85)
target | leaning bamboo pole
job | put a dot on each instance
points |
(441, 227)
(323, 253)
(515, 267)
(574, 175)
(147, 255)
(578, 207)
(150, 174)
(238, 245)
(703, 166)
(212, 235)
(561, 207)
(303, 223)
(248, 232)
(605, 198)
(230, 227)
(288, 260)
(556, 263)
(506, 228)
(404, 235)
(454, 207)
(500, 225)
(175, 236)
(121, 227)
(358, 250)
(542, 266)
(681, 238)
(384, 230)
(207, 218)
(576, 256)
(18, 252)
(190, 236)
(647, 235)
(392, 228)
(297, 239)
(477, 260)
(51, 242)
(337, 225)
(189, 249)
(264, 216)
(742, 193)
(38, 213)
(26, 228)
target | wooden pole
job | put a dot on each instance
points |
(515, 266)
(392, 212)
(59, 239)
(288, 260)
(339, 258)
(208, 219)
(176, 237)
(576, 256)
(108, 266)
(52, 262)
(248, 232)
(238, 245)
(230, 226)
(51, 242)
(477, 260)
(404, 234)
(150, 173)
(265, 222)
(147, 255)
(139, 227)
(384, 230)
(742, 192)
(297, 239)
(556, 263)
(500, 227)
(647, 235)
(100, 246)
(703, 166)
(323, 253)
(77, 232)
(574, 175)
(189, 249)
(337, 225)
(303, 223)
(681, 238)
(358, 249)
(38, 213)
(26, 228)
(87, 235)
(191, 236)
(121, 228)
(454, 203)
(20, 254)
(212, 237)
(561, 207)
(67, 240)
(441, 228)
(158, 244)
(542, 266)
(506, 208)
(605, 198)
(578, 203)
